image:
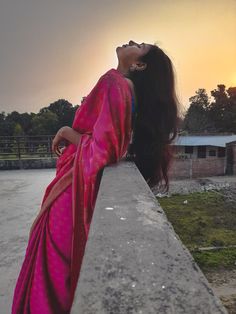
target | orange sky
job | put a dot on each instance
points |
(53, 49)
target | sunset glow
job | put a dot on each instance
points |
(59, 49)
(234, 80)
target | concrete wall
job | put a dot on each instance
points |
(27, 164)
(134, 262)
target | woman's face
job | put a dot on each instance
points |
(130, 53)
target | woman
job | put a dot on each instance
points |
(101, 134)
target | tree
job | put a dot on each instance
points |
(197, 118)
(2, 124)
(230, 114)
(64, 111)
(223, 108)
(10, 122)
(218, 108)
(56, 115)
(26, 122)
(18, 130)
(45, 123)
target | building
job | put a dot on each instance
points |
(203, 155)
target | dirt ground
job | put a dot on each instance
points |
(223, 283)
(185, 186)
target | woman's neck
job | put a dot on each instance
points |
(123, 70)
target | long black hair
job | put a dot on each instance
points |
(156, 117)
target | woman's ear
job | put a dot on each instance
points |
(138, 66)
(141, 66)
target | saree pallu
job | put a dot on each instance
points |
(55, 250)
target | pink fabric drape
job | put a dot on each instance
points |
(50, 271)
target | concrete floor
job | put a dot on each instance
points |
(21, 193)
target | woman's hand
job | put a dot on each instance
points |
(57, 140)
(65, 134)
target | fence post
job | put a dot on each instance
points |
(18, 147)
(191, 168)
(50, 145)
(19, 152)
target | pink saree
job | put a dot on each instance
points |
(53, 258)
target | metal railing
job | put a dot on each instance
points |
(26, 147)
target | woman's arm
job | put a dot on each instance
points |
(70, 135)
(65, 133)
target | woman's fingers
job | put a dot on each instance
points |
(55, 145)
(58, 151)
(62, 149)
(56, 142)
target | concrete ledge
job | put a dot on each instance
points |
(134, 262)
(11, 164)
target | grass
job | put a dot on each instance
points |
(207, 219)
(225, 258)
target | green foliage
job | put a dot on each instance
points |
(197, 118)
(46, 122)
(18, 129)
(224, 108)
(216, 116)
(63, 110)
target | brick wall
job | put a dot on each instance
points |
(193, 168)
(231, 157)
(180, 169)
(208, 167)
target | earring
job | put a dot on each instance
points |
(133, 68)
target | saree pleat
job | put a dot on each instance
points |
(45, 274)
(56, 246)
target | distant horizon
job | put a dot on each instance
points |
(46, 105)
(58, 50)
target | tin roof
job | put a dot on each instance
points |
(198, 140)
